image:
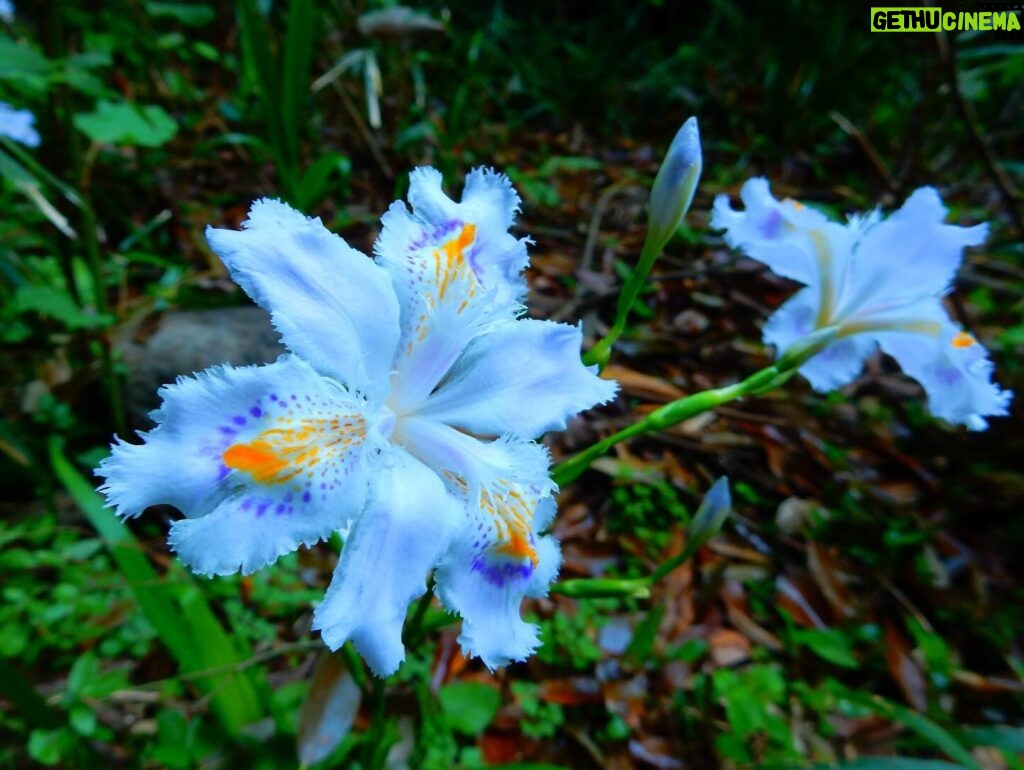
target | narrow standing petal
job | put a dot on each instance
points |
(771, 231)
(908, 255)
(525, 378)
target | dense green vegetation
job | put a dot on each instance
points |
(865, 599)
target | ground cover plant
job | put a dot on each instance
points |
(774, 547)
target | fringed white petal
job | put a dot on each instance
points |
(770, 231)
(258, 459)
(524, 378)
(403, 532)
(332, 305)
(909, 255)
(428, 248)
(487, 590)
(499, 555)
(955, 371)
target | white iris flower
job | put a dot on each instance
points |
(880, 283)
(404, 417)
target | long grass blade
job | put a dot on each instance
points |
(296, 75)
(176, 608)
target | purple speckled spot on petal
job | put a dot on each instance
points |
(501, 573)
(771, 225)
(262, 508)
(227, 431)
(306, 497)
(272, 397)
(247, 504)
(256, 412)
(238, 420)
(223, 472)
(279, 509)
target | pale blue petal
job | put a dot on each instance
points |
(308, 481)
(794, 320)
(404, 531)
(332, 305)
(839, 363)
(410, 244)
(955, 372)
(18, 125)
(835, 366)
(771, 231)
(909, 256)
(487, 591)
(444, 307)
(499, 556)
(524, 378)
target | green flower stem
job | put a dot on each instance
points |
(667, 416)
(635, 588)
(600, 353)
(671, 196)
(675, 412)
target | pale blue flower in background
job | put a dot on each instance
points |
(6, 10)
(879, 282)
(404, 417)
(18, 125)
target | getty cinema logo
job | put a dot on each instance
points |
(1002, 19)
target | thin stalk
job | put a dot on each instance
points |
(414, 626)
(667, 416)
(675, 412)
(630, 292)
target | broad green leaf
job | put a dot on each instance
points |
(53, 303)
(831, 644)
(127, 124)
(18, 61)
(469, 707)
(47, 746)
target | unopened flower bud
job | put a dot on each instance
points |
(675, 184)
(714, 510)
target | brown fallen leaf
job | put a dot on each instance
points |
(329, 710)
(734, 597)
(728, 647)
(826, 573)
(903, 668)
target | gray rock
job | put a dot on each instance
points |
(162, 346)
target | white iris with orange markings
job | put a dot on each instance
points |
(879, 283)
(404, 417)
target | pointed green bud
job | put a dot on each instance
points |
(707, 522)
(714, 510)
(674, 185)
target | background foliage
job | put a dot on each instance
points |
(864, 602)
